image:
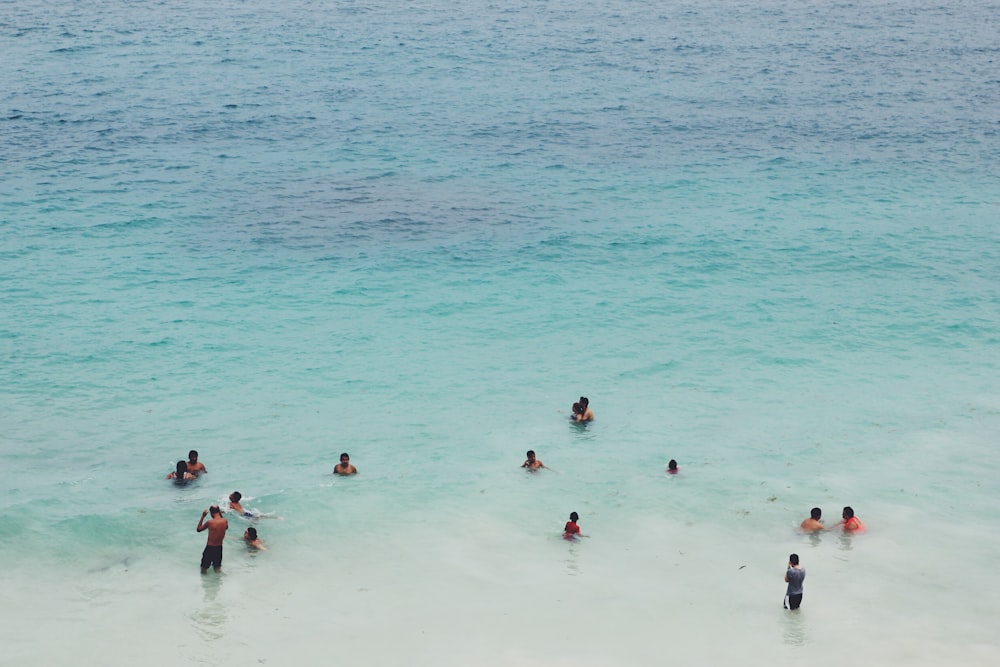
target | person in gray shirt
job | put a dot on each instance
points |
(794, 575)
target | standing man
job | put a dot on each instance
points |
(794, 575)
(216, 527)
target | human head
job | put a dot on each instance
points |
(584, 402)
(251, 534)
(848, 513)
(214, 509)
(182, 468)
(193, 456)
(816, 513)
(794, 559)
(672, 465)
(530, 454)
(235, 496)
(574, 517)
(344, 458)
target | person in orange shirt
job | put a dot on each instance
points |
(572, 531)
(851, 523)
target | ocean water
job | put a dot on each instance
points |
(762, 238)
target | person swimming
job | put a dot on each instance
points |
(851, 523)
(672, 468)
(234, 504)
(532, 464)
(572, 530)
(813, 524)
(583, 413)
(253, 542)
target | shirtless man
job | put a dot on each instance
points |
(234, 504)
(194, 466)
(216, 527)
(532, 463)
(813, 523)
(345, 467)
(586, 414)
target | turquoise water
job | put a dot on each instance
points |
(762, 238)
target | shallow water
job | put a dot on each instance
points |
(761, 238)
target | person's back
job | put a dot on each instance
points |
(181, 475)
(813, 523)
(571, 530)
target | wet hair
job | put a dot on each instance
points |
(235, 496)
(343, 454)
(193, 454)
(848, 512)
(531, 452)
(672, 465)
(794, 559)
(573, 516)
(214, 509)
(252, 532)
(182, 468)
(816, 513)
(584, 402)
(577, 409)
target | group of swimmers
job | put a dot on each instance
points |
(216, 524)
(795, 574)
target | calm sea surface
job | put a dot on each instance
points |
(763, 238)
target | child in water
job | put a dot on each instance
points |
(571, 531)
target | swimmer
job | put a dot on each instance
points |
(181, 475)
(851, 523)
(572, 530)
(672, 468)
(345, 467)
(585, 414)
(194, 466)
(234, 504)
(813, 523)
(253, 542)
(216, 527)
(532, 464)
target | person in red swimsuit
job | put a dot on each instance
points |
(851, 523)
(572, 530)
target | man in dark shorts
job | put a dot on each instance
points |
(794, 575)
(216, 527)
